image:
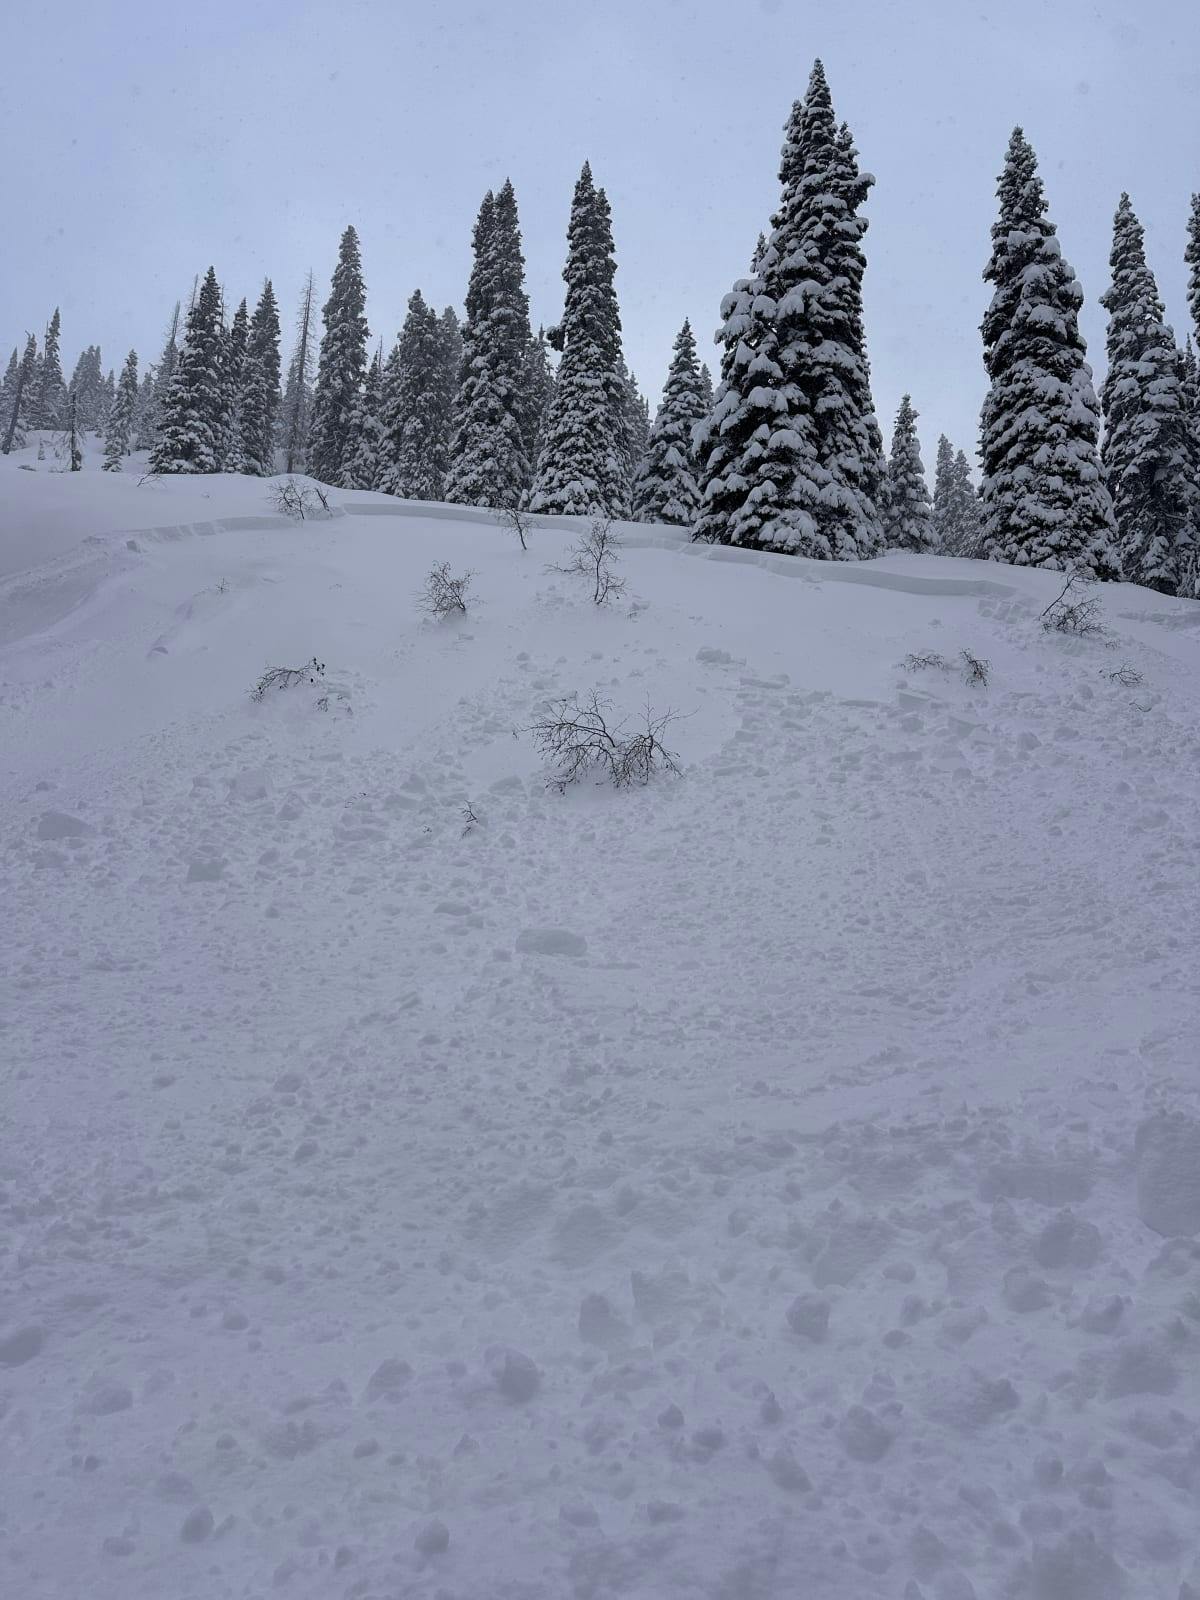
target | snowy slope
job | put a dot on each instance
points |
(725, 1189)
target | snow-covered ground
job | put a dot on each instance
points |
(724, 1189)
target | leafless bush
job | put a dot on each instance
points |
(595, 558)
(297, 500)
(517, 521)
(1128, 677)
(1073, 610)
(285, 677)
(579, 736)
(975, 670)
(444, 595)
(470, 820)
(925, 660)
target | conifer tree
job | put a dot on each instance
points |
(1149, 453)
(260, 388)
(667, 489)
(1044, 500)
(74, 447)
(908, 524)
(791, 450)
(119, 432)
(296, 411)
(583, 466)
(236, 344)
(489, 466)
(637, 425)
(52, 390)
(22, 387)
(956, 525)
(7, 390)
(164, 372)
(194, 425)
(1191, 256)
(144, 412)
(88, 387)
(450, 347)
(342, 368)
(414, 408)
(706, 389)
(366, 462)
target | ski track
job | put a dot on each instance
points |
(783, 1241)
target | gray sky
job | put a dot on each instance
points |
(144, 140)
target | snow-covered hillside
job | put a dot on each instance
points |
(726, 1188)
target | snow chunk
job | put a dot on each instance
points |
(551, 942)
(58, 825)
(1167, 1150)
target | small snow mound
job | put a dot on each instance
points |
(388, 1379)
(808, 1315)
(864, 1437)
(1167, 1151)
(205, 871)
(517, 1378)
(1077, 1569)
(551, 942)
(432, 1539)
(21, 1345)
(60, 825)
(197, 1526)
(103, 1399)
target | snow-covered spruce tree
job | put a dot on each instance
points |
(1044, 500)
(450, 354)
(637, 426)
(538, 391)
(74, 443)
(164, 372)
(1148, 450)
(8, 389)
(706, 389)
(366, 460)
(22, 384)
(296, 411)
(144, 413)
(342, 368)
(956, 521)
(1191, 256)
(88, 387)
(790, 450)
(909, 524)
(583, 462)
(52, 390)
(414, 455)
(118, 436)
(195, 419)
(259, 396)
(236, 343)
(943, 489)
(667, 489)
(489, 466)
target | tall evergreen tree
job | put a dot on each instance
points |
(1191, 256)
(489, 466)
(145, 412)
(88, 387)
(367, 459)
(706, 389)
(583, 466)
(1148, 454)
(118, 435)
(414, 445)
(74, 445)
(195, 420)
(1044, 500)
(52, 390)
(908, 520)
(342, 369)
(164, 372)
(296, 412)
(8, 389)
(236, 344)
(667, 488)
(260, 388)
(22, 388)
(791, 451)
(637, 425)
(956, 522)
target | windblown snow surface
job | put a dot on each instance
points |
(781, 1181)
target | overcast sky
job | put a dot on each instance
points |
(143, 141)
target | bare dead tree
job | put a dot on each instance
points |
(1073, 610)
(444, 595)
(296, 500)
(926, 660)
(595, 558)
(579, 736)
(518, 521)
(470, 820)
(974, 670)
(285, 677)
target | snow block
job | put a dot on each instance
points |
(1167, 1153)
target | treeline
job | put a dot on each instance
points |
(787, 455)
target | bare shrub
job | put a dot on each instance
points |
(286, 677)
(1127, 676)
(579, 736)
(297, 500)
(1074, 610)
(470, 820)
(444, 595)
(518, 521)
(975, 670)
(595, 558)
(926, 660)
